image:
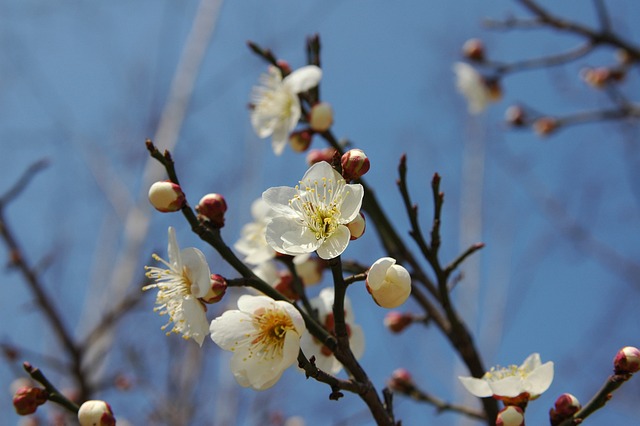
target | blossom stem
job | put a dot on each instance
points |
(54, 394)
(599, 399)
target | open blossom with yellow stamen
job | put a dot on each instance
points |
(527, 381)
(179, 287)
(264, 336)
(313, 215)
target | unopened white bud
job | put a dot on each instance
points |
(357, 226)
(389, 284)
(510, 416)
(96, 413)
(166, 196)
(321, 117)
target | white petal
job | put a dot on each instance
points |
(303, 79)
(540, 379)
(378, 272)
(198, 269)
(476, 387)
(260, 210)
(288, 236)
(263, 124)
(278, 198)
(227, 329)
(336, 244)
(511, 386)
(279, 139)
(321, 170)
(174, 250)
(296, 317)
(531, 363)
(356, 340)
(352, 202)
(250, 304)
(195, 320)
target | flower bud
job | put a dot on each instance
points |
(284, 66)
(27, 399)
(473, 49)
(545, 126)
(300, 140)
(627, 360)
(565, 407)
(401, 381)
(212, 208)
(317, 155)
(217, 290)
(285, 286)
(396, 321)
(389, 284)
(510, 416)
(355, 164)
(515, 116)
(321, 117)
(596, 77)
(166, 196)
(309, 269)
(357, 226)
(96, 413)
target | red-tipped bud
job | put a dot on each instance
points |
(217, 290)
(357, 226)
(515, 116)
(510, 416)
(321, 117)
(300, 140)
(284, 66)
(317, 155)
(27, 399)
(166, 196)
(285, 286)
(627, 360)
(396, 321)
(355, 164)
(96, 413)
(212, 208)
(473, 49)
(545, 126)
(596, 77)
(401, 381)
(565, 407)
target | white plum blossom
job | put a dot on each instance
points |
(252, 243)
(474, 87)
(276, 107)
(179, 287)
(311, 346)
(264, 336)
(313, 215)
(388, 283)
(531, 377)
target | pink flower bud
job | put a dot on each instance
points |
(27, 399)
(96, 413)
(545, 126)
(284, 66)
(317, 155)
(510, 416)
(166, 196)
(473, 49)
(285, 286)
(321, 117)
(357, 226)
(212, 208)
(396, 321)
(596, 77)
(401, 381)
(217, 290)
(300, 140)
(355, 164)
(627, 360)
(565, 407)
(515, 116)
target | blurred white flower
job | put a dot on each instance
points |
(531, 377)
(311, 346)
(475, 88)
(276, 107)
(187, 278)
(252, 243)
(264, 336)
(313, 216)
(388, 283)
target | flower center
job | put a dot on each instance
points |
(170, 282)
(319, 204)
(272, 326)
(499, 373)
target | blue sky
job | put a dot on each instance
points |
(84, 84)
